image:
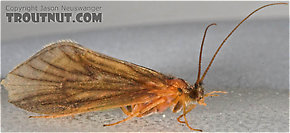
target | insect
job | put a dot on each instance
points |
(65, 79)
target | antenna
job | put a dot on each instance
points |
(200, 53)
(205, 72)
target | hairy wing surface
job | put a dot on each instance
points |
(65, 77)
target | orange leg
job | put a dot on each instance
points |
(159, 108)
(139, 111)
(54, 115)
(190, 108)
(201, 102)
(152, 110)
(129, 117)
(126, 111)
(212, 93)
(193, 106)
(185, 120)
(178, 119)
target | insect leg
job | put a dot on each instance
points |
(185, 120)
(212, 93)
(130, 107)
(152, 110)
(139, 111)
(190, 108)
(126, 111)
(55, 115)
(177, 105)
(201, 102)
(129, 117)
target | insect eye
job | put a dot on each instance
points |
(179, 89)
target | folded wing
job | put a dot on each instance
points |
(66, 78)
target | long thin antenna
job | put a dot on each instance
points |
(200, 52)
(205, 72)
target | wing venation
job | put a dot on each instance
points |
(65, 77)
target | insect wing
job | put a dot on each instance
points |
(66, 78)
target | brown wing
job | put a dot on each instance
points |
(66, 78)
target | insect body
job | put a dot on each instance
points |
(65, 79)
